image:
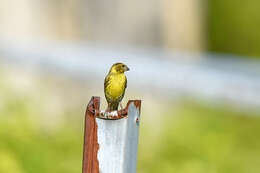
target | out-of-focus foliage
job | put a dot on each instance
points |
(191, 138)
(26, 146)
(233, 27)
(201, 139)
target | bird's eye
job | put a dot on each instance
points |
(123, 65)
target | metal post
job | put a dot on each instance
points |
(111, 139)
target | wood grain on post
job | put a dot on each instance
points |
(111, 139)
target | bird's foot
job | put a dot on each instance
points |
(107, 109)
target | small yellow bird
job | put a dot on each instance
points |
(115, 85)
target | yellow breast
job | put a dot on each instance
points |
(116, 86)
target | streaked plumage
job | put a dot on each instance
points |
(114, 85)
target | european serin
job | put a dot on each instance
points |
(115, 85)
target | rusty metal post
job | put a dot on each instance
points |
(111, 139)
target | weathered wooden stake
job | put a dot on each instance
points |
(111, 139)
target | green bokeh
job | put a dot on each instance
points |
(201, 139)
(233, 27)
(192, 137)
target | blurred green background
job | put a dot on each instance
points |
(42, 114)
(233, 27)
(42, 131)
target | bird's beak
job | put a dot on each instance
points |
(126, 68)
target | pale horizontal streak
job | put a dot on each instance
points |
(223, 78)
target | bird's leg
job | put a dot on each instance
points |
(108, 107)
(121, 106)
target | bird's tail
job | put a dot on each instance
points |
(113, 106)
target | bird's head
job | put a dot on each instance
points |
(118, 68)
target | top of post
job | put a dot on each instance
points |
(94, 107)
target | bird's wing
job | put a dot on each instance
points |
(107, 81)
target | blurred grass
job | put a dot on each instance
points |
(191, 138)
(203, 139)
(233, 27)
(26, 147)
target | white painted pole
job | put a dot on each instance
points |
(115, 139)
